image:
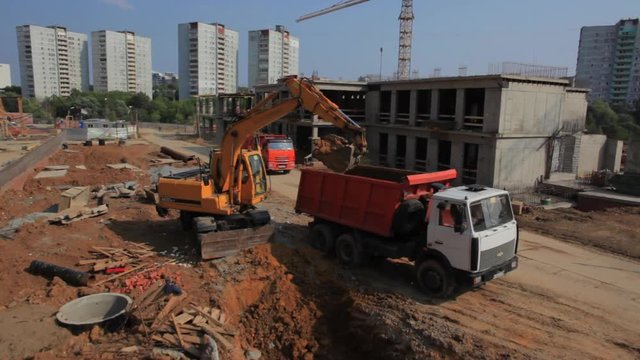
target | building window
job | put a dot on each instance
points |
(444, 155)
(470, 164)
(383, 146)
(447, 105)
(421, 154)
(401, 151)
(423, 106)
(474, 108)
(403, 103)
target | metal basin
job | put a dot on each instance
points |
(93, 309)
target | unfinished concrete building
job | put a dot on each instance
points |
(302, 125)
(498, 130)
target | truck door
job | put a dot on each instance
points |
(450, 234)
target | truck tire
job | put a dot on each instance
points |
(321, 238)
(349, 251)
(408, 218)
(434, 278)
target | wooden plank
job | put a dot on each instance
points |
(109, 265)
(175, 325)
(219, 338)
(184, 318)
(192, 339)
(215, 324)
(173, 303)
(198, 320)
(215, 313)
(222, 318)
(172, 339)
(119, 275)
(160, 339)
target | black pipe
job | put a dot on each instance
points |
(70, 276)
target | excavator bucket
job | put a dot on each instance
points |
(335, 152)
(219, 244)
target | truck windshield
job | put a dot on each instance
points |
(280, 145)
(491, 212)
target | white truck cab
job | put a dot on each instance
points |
(472, 234)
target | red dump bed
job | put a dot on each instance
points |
(365, 197)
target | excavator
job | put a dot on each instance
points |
(220, 205)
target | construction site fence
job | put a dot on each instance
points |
(29, 160)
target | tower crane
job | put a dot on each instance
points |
(406, 29)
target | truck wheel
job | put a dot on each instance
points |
(434, 279)
(349, 251)
(408, 218)
(322, 238)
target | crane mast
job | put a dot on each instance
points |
(404, 46)
(406, 29)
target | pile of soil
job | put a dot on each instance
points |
(615, 229)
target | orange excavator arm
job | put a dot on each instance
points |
(303, 94)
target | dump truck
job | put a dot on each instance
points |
(277, 151)
(464, 235)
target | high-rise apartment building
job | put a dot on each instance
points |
(272, 55)
(207, 59)
(5, 75)
(609, 61)
(121, 62)
(53, 61)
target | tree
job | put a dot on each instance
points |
(616, 121)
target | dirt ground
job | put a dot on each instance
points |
(284, 298)
(614, 230)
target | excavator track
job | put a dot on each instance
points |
(224, 236)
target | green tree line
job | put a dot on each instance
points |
(112, 105)
(616, 121)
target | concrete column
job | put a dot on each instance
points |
(410, 158)
(492, 103)
(457, 155)
(459, 108)
(432, 154)
(435, 99)
(372, 107)
(413, 107)
(393, 107)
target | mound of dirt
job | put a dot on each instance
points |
(614, 229)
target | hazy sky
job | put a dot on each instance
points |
(344, 44)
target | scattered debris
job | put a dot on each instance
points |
(71, 215)
(109, 257)
(56, 167)
(81, 167)
(13, 225)
(163, 161)
(177, 154)
(74, 197)
(50, 174)
(124, 166)
(70, 276)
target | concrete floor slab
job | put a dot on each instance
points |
(50, 174)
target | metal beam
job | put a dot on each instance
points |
(338, 6)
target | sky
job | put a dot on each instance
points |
(344, 44)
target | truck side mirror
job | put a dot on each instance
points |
(459, 228)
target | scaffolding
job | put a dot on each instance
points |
(531, 70)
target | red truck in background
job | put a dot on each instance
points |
(462, 236)
(277, 151)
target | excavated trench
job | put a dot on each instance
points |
(295, 303)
